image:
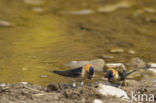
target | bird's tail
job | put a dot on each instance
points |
(123, 75)
(128, 73)
(57, 72)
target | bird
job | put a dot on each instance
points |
(117, 77)
(78, 74)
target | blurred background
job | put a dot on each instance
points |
(37, 36)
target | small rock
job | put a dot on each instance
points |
(2, 84)
(5, 24)
(152, 70)
(37, 86)
(151, 65)
(115, 65)
(150, 10)
(43, 76)
(131, 52)
(113, 91)
(135, 75)
(24, 83)
(116, 6)
(136, 63)
(24, 69)
(132, 82)
(75, 64)
(38, 9)
(79, 12)
(98, 64)
(108, 57)
(117, 50)
(34, 2)
(98, 101)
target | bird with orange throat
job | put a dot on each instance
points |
(117, 77)
(78, 74)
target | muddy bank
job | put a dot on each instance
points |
(63, 93)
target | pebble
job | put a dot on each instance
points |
(114, 7)
(43, 76)
(2, 84)
(98, 64)
(131, 52)
(113, 91)
(38, 9)
(75, 64)
(34, 2)
(108, 57)
(79, 12)
(24, 69)
(117, 50)
(98, 101)
(151, 65)
(132, 82)
(153, 70)
(5, 24)
(136, 63)
(150, 10)
(115, 65)
(24, 83)
(135, 75)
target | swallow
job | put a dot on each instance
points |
(78, 74)
(117, 77)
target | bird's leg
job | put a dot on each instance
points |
(74, 83)
(81, 83)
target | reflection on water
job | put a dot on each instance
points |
(22, 45)
(43, 41)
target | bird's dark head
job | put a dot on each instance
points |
(91, 72)
(112, 74)
(109, 74)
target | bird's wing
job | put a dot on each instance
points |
(70, 73)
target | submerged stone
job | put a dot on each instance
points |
(34, 2)
(114, 7)
(120, 66)
(43, 76)
(108, 57)
(97, 101)
(117, 50)
(151, 65)
(5, 24)
(152, 70)
(79, 12)
(38, 10)
(98, 64)
(136, 63)
(131, 52)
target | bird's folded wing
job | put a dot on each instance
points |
(70, 73)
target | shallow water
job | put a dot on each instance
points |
(46, 40)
